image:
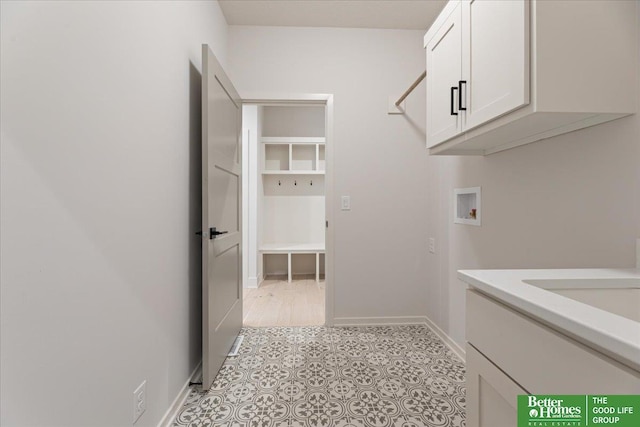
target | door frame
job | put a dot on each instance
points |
(327, 101)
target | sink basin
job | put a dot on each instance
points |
(617, 296)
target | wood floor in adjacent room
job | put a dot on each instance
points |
(279, 303)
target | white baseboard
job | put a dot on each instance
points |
(378, 321)
(252, 282)
(459, 351)
(178, 402)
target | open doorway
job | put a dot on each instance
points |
(285, 212)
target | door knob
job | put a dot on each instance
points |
(213, 233)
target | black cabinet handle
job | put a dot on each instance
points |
(453, 96)
(460, 83)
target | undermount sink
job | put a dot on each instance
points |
(617, 296)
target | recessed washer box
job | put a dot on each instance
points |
(466, 206)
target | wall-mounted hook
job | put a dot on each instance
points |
(295, 182)
(311, 183)
(279, 182)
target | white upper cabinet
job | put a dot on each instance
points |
(495, 58)
(477, 65)
(444, 71)
(529, 70)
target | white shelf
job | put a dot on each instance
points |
(303, 157)
(292, 140)
(277, 157)
(292, 247)
(286, 158)
(301, 172)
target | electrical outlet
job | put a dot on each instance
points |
(346, 203)
(432, 245)
(139, 401)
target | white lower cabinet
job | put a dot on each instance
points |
(491, 394)
(509, 353)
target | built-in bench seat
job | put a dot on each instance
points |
(295, 248)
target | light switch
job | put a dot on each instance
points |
(346, 203)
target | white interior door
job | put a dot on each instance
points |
(221, 216)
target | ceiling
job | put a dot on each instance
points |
(389, 14)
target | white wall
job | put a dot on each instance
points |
(380, 160)
(297, 217)
(293, 121)
(565, 202)
(100, 199)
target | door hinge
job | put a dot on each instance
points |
(326, 224)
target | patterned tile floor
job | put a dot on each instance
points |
(387, 376)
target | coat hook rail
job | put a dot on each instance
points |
(411, 88)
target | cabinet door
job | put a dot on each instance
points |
(444, 68)
(492, 397)
(495, 55)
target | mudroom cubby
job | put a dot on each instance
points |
(291, 194)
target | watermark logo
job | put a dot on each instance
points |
(578, 410)
(545, 408)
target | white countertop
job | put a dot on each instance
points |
(614, 335)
